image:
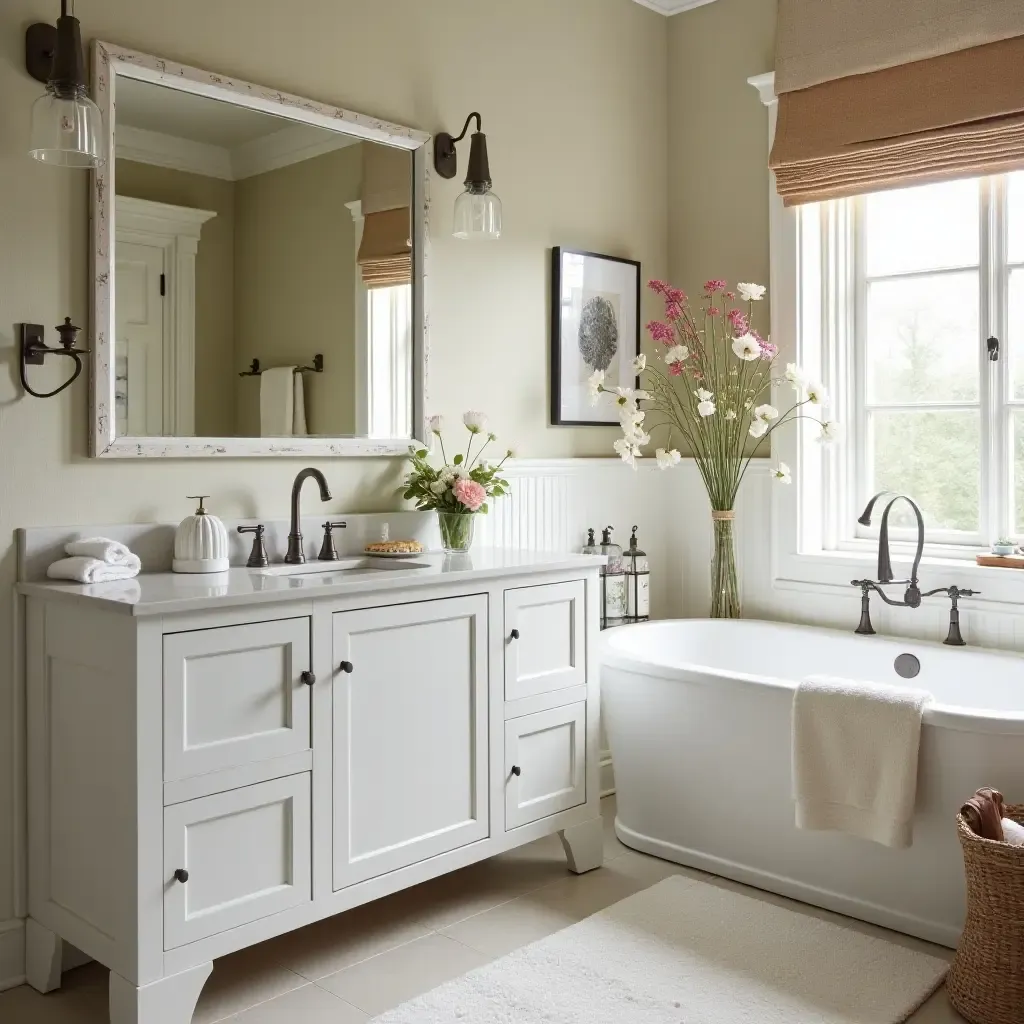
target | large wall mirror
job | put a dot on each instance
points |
(259, 270)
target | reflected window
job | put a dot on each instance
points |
(388, 318)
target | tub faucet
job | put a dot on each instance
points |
(295, 555)
(912, 595)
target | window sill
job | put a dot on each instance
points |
(830, 572)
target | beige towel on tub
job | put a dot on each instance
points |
(277, 401)
(855, 750)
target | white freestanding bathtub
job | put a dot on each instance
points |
(698, 719)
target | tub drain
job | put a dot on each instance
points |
(907, 666)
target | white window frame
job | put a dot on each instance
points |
(808, 550)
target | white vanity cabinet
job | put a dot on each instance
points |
(211, 767)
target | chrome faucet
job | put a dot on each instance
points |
(295, 555)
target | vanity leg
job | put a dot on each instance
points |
(584, 845)
(168, 1001)
(43, 953)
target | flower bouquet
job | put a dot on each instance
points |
(711, 388)
(460, 488)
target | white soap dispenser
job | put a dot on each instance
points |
(201, 542)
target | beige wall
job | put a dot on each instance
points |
(718, 144)
(215, 318)
(295, 268)
(573, 94)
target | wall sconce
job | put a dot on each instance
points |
(66, 124)
(478, 209)
(34, 352)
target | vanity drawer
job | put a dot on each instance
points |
(545, 646)
(235, 695)
(545, 763)
(247, 855)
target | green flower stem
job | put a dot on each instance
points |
(725, 591)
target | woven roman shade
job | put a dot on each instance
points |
(385, 252)
(913, 91)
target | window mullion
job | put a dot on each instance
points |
(996, 463)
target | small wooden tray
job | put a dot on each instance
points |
(1002, 561)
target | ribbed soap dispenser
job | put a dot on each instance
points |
(201, 542)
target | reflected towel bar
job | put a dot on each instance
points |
(317, 367)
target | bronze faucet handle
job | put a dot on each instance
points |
(258, 556)
(328, 552)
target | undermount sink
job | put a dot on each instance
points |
(347, 566)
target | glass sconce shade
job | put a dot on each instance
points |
(66, 129)
(477, 216)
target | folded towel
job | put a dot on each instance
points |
(984, 814)
(112, 552)
(277, 401)
(855, 748)
(83, 569)
(1013, 833)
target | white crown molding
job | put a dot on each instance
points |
(670, 7)
(269, 153)
(765, 86)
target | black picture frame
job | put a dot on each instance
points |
(564, 403)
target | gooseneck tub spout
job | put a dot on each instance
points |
(912, 597)
(295, 555)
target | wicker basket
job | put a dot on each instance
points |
(986, 983)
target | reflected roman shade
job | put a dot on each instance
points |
(878, 94)
(385, 251)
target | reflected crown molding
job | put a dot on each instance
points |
(670, 7)
(290, 145)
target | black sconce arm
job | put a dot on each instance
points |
(445, 160)
(34, 352)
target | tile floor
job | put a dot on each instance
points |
(349, 968)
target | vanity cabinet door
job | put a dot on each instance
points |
(410, 734)
(236, 857)
(234, 695)
(545, 648)
(545, 763)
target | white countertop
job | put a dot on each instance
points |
(166, 593)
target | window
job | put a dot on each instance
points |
(901, 292)
(388, 318)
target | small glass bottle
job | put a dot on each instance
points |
(613, 582)
(638, 582)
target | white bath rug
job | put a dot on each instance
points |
(686, 952)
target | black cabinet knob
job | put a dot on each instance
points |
(514, 634)
(346, 666)
(308, 678)
(181, 875)
(516, 770)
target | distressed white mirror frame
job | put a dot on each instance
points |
(110, 62)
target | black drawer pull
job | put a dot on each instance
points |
(309, 678)
(346, 666)
(514, 634)
(516, 770)
(181, 875)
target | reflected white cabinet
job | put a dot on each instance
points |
(203, 780)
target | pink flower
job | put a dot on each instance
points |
(730, 296)
(673, 311)
(714, 311)
(470, 493)
(662, 332)
(658, 286)
(676, 369)
(716, 284)
(738, 320)
(675, 295)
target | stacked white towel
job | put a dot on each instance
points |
(95, 560)
(855, 751)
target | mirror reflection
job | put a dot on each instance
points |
(263, 274)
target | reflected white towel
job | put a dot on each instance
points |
(112, 552)
(299, 405)
(855, 749)
(83, 569)
(277, 401)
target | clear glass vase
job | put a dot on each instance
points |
(725, 586)
(456, 531)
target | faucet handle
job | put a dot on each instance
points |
(258, 556)
(328, 552)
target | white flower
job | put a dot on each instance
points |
(758, 428)
(704, 396)
(730, 414)
(476, 422)
(435, 424)
(831, 431)
(706, 408)
(766, 413)
(447, 475)
(630, 419)
(816, 394)
(746, 347)
(640, 363)
(677, 354)
(594, 383)
(750, 292)
(782, 474)
(666, 460)
(438, 487)
(628, 451)
(796, 376)
(511, 454)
